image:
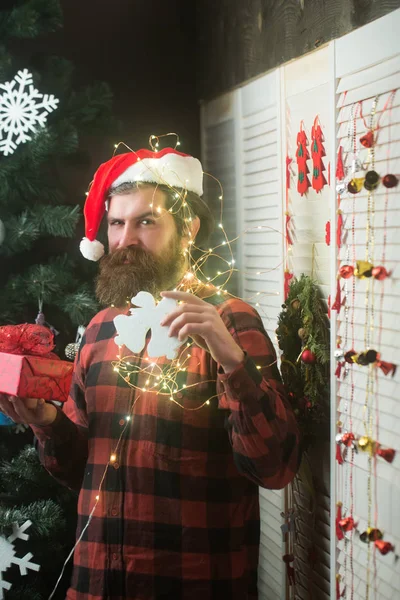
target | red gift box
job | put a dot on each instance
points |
(28, 368)
(35, 377)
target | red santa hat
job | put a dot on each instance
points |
(167, 167)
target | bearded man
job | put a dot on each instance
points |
(168, 505)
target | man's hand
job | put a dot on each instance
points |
(30, 411)
(200, 321)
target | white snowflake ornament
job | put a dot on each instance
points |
(7, 555)
(22, 109)
(132, 329)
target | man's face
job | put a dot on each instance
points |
(139, 219)
(146, 252)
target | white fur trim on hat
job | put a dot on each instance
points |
(171, 169)
(91, 250)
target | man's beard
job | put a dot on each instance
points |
(128, 271)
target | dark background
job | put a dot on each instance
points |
(146, 51)
(240, 39)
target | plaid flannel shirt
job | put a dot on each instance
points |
(178, 516)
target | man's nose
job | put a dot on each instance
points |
(129, 237)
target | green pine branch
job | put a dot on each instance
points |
(80, 305)
(31, 19)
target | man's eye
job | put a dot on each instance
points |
(147, 222)
(116, 222)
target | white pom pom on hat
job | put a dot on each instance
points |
(167, 167)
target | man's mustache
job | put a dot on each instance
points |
(129, 255)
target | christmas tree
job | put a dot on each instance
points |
(43, 116)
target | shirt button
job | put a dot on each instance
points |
(116, 465)
(115, 556)
(122, 422)
(114, 512)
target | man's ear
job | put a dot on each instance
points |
(194, 227)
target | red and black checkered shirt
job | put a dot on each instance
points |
(178, 516)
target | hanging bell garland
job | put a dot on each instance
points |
(355, 185)
(369, 357)
(371, 535)
(364, 270)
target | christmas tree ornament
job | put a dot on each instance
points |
(8, 555)
(371, 180)
(295, 304)
(317, 152)
(355, 185)
(384, 547)
(302, 156)
(363, 269)
(367, 140)
(132, 329)
(342, 187)
(302, 333)
(308, 357)
(339, 531)
(380, 273)
(22, 110)
(347, 524)
(71, 350)
(346, 271)
(339, 165)
(371, 535)
(390, 181)
(167, 167)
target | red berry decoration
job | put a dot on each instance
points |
(308, 357)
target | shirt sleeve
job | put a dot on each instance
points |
(262, 427)
(63, 445)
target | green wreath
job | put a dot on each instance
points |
(303, 337)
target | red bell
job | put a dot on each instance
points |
(384, 547)
(367, 140)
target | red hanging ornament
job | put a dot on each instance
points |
(387, 454)
(302, 156)
(317, 152)
(380, 273)
(347, 524)
(348, 439)
(367, 140)
(339, 228)
(346, 271)
(339, 532)
(308, 357)
(390, 181)
(338, 299)
(384, 547)
(287, 277)
(328, 233)
(340, 165)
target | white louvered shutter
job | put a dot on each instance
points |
(361, 77)
(259, 206)
(218, 158)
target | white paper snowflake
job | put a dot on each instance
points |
(22, 108)
(7, 555)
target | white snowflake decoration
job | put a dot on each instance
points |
(7, 555)
(22, 107)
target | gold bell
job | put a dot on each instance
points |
(366, 444)
(363, 269)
